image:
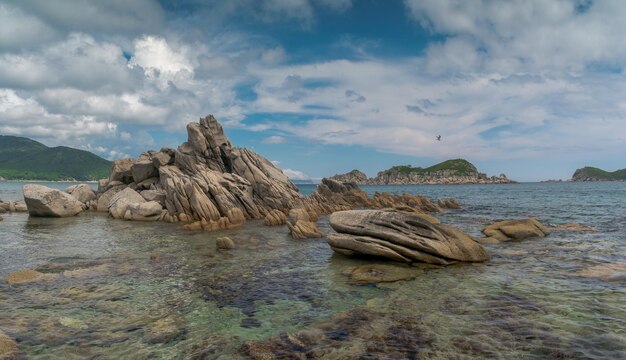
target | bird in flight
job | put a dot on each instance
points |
(438, 137)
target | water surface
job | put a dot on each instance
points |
(152, 290)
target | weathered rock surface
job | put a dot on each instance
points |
(275, 218)
(122, 171)
(47, 202)
(105, 198)
(81, 192)
(143, 170)
(516, 230)
(303, 229)
(8, 347)
(401, 237)
(154, 195)
(448, 204)
(120, 202)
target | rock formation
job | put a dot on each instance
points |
(354, 176)
(43, 201)
(457, 171)
(12, 206)
(401, 237)
(211, 185)
(514, 230)
(81, 192)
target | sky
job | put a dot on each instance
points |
(532, 88)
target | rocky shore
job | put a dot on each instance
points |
(456, 171)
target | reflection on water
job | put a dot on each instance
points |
(145, 290)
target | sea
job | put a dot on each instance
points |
(131, 290)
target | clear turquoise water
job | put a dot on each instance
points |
(116, 279)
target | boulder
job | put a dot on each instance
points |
(145, 210)
(142, 170)
(154, 195)
(225, 243)
(380, 273)
(148, 183)
(516, 229)
(401, 237)
(304, 229)
(81, 192)
(161, 159)
(298, 214)
(105, 198)
(120, 201)
(47, 202)
(20, 206)
(121, 171)
(275, 218)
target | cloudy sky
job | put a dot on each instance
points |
(531, 88)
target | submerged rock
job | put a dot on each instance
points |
(573, 227)
(28, 276)
(607, 272)
(165, 330)
(8, 347)
(379, 273)
(401, 237)
(225, 243)
(516, 230)
(47, 202)
(448, 204)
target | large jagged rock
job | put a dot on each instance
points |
(401, 237)
(81, 192)
(303, 229)
(275, 218)
(206, 177)
(47, 202)
(516, 230)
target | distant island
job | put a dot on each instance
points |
(456, 171)
(594, 174)
(25, 159)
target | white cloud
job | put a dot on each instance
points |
(274, 139)
(21, 30)
(295, 174)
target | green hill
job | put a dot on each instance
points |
(594, 174)
(26, 159)
(460, 166)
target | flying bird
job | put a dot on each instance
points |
(438, 137)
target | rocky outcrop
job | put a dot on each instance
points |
(120, 202)
(205, 181)
(8, 347)
(401, 237)
(448, 204)
(514, 230)
(354, 176)
(44, 201)
(81, 192)
(457, 171)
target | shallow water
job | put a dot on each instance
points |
(119, 281)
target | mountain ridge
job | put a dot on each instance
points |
(590, 173)
(22, 158)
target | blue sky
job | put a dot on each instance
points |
(534, 89)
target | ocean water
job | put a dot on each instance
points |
(155, 291)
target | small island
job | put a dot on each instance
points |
(589, 173)
(455, 171)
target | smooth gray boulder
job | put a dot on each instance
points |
(81, 192)
(46, 202)
(105, 198)
(401, 237)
